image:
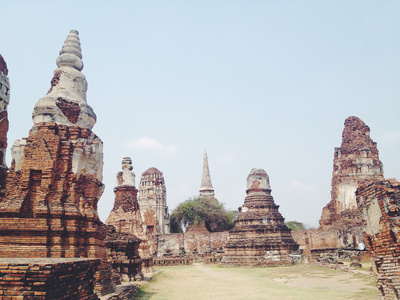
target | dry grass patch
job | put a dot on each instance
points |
(292, 282)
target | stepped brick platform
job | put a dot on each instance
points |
(173, 261)
(125, 215)
(47, 278)
(54, 183)
(379, 204)
(260, 236)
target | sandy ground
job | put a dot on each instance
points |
(293, 282)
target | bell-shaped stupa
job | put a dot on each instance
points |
(65, 102)
(260, 236)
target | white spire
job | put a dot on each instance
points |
(65, 102)
(206, 189)
(70, 54)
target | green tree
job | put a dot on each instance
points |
(295, 225)
(195, 210)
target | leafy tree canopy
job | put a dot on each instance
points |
(195, 210)
(295, 225)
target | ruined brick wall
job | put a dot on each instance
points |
(316, 239)
(50, 278)
(173, 261)
(338, 238)
(317, 243)
(379, 204)
(4, 100)
(153, 202)
(123, 255)
(200, 243)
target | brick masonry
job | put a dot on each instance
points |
(260, 236)
(355, 162)
(126, 218)
(379, 204)
(47, 278)
(153, 202)
(123, 255)
(49, 211)
(4, 101)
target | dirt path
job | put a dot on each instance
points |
(294, 282)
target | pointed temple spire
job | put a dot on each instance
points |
(65, 102)
(206, 189)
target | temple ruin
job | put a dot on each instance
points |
(4, 100)
(340, 234)
(153, 202)
(379, 204)
(355, 163)
(53, 244)
(126, 217)
(260, 236)
(55, 179)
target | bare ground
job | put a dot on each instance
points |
(292, 282)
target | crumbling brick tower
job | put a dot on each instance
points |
(153, 202)
(356, 162)
(379, 205)
(4, 100)
(260, 236)
(55, 179)
(125, 215)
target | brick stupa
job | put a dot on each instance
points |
(260, 236)
(125, 215)
(355, 163)
(55, 179)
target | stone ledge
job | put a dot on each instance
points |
(48, 278)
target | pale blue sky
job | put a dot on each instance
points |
(259, 84)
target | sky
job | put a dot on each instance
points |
(259, 84)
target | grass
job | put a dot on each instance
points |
(292, 282)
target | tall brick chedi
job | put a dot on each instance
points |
(4, 100)
(153, 202)
(125, 215)
(55, 179)
(355, 163)
(260, 236)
